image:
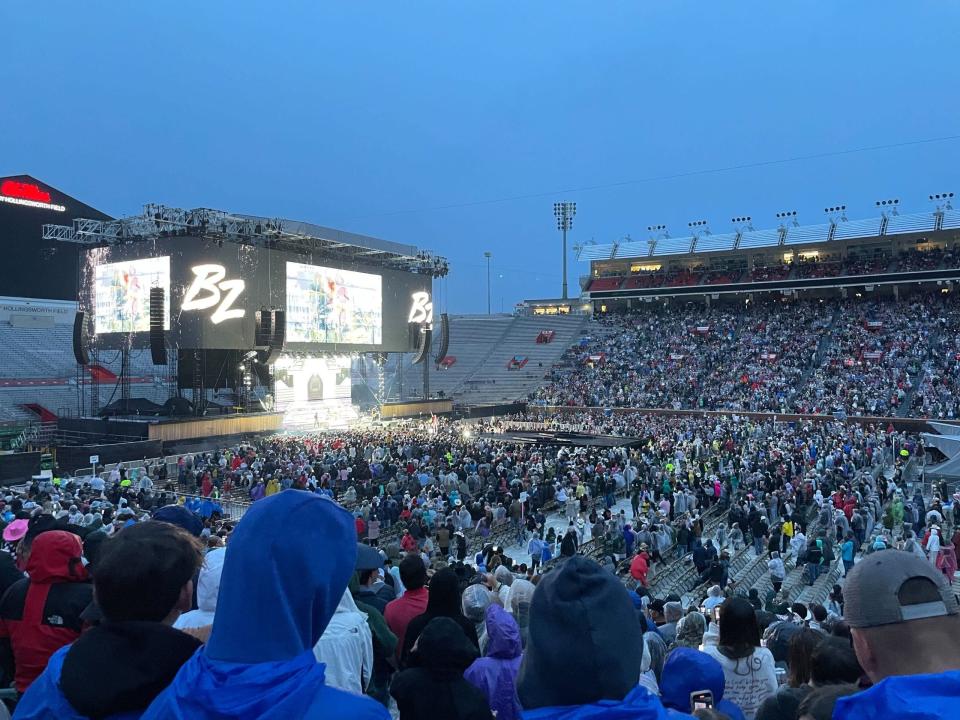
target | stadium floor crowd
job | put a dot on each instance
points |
(458, 574)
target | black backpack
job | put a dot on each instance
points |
(828, 554)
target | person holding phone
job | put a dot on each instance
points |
(701, 700)
(692, 681)
(749, 670)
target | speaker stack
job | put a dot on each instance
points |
(444, 339)
(263, 332)
(81, 338)
(422, 342)
(158, 344)
(270, 334)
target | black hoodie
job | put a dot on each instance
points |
(443, 601)
(122, 667)
(436, 688)
(584, 640)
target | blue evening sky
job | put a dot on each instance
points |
(373, 116)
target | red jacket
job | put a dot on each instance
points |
(408, 543)
(849, 507)
(639, 568)
(401, 611)
(41, 614)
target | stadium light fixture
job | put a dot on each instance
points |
(564, 212)
(744, 222)
(788, 216)
(837, 211)
(889, 205)
(697, 228)
(942, 201)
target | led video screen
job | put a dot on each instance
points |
(328, 305)
(121, 294)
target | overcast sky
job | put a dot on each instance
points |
(403, 119)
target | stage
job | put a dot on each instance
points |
(168, 430)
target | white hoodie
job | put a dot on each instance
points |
(346, 647)
(208, 589)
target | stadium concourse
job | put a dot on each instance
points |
(451, 558)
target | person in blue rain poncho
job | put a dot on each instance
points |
(290, 559)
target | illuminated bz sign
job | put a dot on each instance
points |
(207, 289)
(421, 309)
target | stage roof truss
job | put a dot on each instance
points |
(160, 221)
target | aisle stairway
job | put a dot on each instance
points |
(483, 346)
(493, 381)
(473, 338)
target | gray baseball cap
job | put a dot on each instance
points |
(873, 592)
(368, 558)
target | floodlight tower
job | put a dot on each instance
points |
(564, 212)
(488, 255)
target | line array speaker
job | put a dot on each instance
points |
(444, 339)
(158, 344)
(270, 334)
(81, 337)
(423, 346)
(263, 333)
(279, 330)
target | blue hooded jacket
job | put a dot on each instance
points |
(44, 700)
(289, 562)
(639, 704)
(917, 697)
(686, 671)
(112, 672)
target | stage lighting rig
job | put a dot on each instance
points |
(159, 221)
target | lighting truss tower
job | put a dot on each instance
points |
(564, 212)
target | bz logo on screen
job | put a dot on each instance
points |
(421, 309)
(207, 289)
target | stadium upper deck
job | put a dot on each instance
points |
(891, 249)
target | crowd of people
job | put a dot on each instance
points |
(347, 588)
(305, 622)
(859, 356)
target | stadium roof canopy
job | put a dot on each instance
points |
(785, 235)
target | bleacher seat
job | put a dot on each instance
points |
(605, 283)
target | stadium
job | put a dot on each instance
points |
(200, 334)
(310, 408)
(849, 318)
(197, 334)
